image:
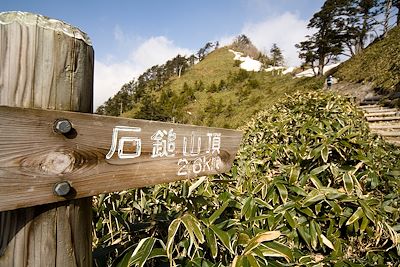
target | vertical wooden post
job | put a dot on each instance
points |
(48, 64)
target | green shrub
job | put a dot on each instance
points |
(253, 83)
(222, 85)
(213, 88)
(237, 63)
(332, 187)
(241, 76)
(310, 186)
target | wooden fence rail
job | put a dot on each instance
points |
(52, 161)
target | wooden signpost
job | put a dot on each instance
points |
(52, 160)
(90, 154)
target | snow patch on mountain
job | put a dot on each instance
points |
(248, 63)
(310, 72)
(280, 69)
(288, 70)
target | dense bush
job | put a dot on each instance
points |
(310, 186)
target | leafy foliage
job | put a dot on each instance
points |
(310, 186)
(332, 179)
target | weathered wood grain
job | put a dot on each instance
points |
(33, 157)
(57, 234)
(44, 63)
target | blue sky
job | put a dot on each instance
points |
(130, 36)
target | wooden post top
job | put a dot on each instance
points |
(45, 63)
(49, 156)
(26, 18)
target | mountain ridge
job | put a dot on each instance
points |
(217, 92)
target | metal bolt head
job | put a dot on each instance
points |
(63, 126)
(62, 188)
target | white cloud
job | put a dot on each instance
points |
(119, 35)
(108, 79)
(156, 50)
(285, 30)
(226, 40)
(110, 75)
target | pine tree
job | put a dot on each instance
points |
(276, 55)
(201, 54)
(325, 44)
(150, 109)
(243, 44)
(242, 40)
(396, 5)
(342, 27)
(390, 9)
(354, 20)
(385, 7)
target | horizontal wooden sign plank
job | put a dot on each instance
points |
(100, 154)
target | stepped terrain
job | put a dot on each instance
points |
(383, 121)
(377, 67)
(373, 79)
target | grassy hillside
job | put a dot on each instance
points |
(216, 66)
(216, 92)
(310, 187)
(378, 64)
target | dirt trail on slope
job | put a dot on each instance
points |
(358, 91)
(382, 120)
